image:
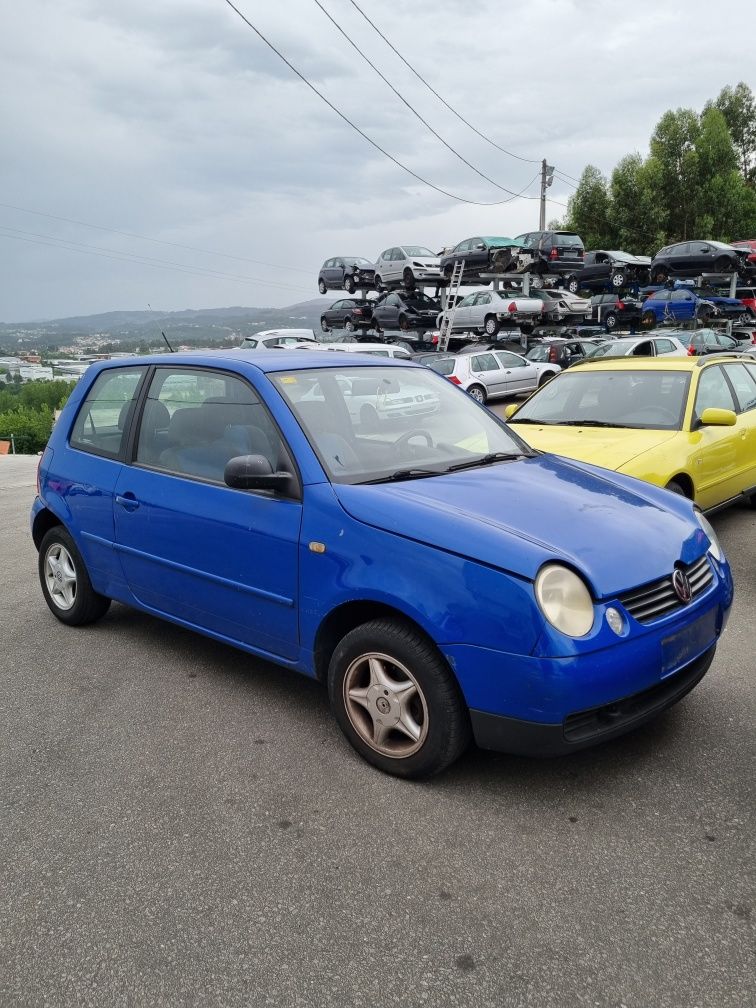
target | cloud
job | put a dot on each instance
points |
(174, 120)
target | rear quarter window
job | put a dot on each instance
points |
(105, 413)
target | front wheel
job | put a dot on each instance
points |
(403, 323)
(572, 285)
(65, 581)
(536, 281)
(724, 265)
(349, 325)
(618, 279)
(478, 393)
(648, 320)
(322, 287)
(324, 325)
(349, 285)
(610, 321)
(396, 700)
(546, 378)
(408, 279)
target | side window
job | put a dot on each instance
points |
(106, 411)
(681, 295)
(467, 301)
(743, 380)
(664, 346)
(385, 255)
(713, 391)
(645, 349)
(195, 421)
(393, 300)
(484, 362)
(463, 246)
(482, 299)
(510, 360)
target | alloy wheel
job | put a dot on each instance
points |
(385, 705)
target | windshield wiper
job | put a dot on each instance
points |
(592, 423)
(488, 460)
(406, 474)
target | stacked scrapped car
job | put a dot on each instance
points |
(352, 314)
(550, 254)
(479, 255)
(487, 311)
(408, 265)
(603, 269)
(692, 258)
(346, 273)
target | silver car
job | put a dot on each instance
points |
(491, 374)
(408, 265)
(641, 346)
(485, 310)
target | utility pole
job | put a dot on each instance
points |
(547, 177)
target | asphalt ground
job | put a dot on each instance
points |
(181, 824)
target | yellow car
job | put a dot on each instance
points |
(685, 423)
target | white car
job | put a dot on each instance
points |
(641, 346)
(490, 374)
(408, 265)
(372, 402)
(485, 310)
(275, 339)
(559, 304)
(374, 349)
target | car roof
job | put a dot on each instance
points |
(640, 364)
(273, 360)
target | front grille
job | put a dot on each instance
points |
(659, 598)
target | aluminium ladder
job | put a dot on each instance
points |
(452, 298)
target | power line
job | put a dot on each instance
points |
(414, 111)
(157, 241)
(71, 246)
(440, 98)
(354, 126)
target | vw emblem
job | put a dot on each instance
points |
(681, 585)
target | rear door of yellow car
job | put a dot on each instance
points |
(718, 454)
(742, 378)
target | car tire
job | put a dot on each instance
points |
(408, 279)
(659, 276)
(536, 281)
(572, 285)
(491, 325)
(724, 265)
(65, 581)
(403, 323)
(349, 286)
(703, 313)
(610, 321)
(349, 325)
(324, 325)
(648, 320)
(322, 287)
(365, 676)
(744, 318)
(546, 377)
(618, 279)
(478, 393)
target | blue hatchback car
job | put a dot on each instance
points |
(366, 523)
(683, 305)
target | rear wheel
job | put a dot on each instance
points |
(396, 700)
(322, 287)
(610, 321)
(324, 325)
(677, 488)
(536, 281)
(403, 323)
(618, 279)
(703, 313)
(744, 318)
(65, 581)
(478, 393)
(659, 276)
(546, 378)
(572, 285)
(408, 279)
(349, 325)
(491, 325)
(648, 320)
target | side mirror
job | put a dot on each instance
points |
(254, 472)
(510, 409)
(713, 417)
(479, 247)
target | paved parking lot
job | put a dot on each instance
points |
(183, 825)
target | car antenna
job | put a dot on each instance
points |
(162, 333)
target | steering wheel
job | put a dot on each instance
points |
(659, 413)
(402, 442)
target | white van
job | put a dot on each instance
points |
(274, 339)
(374, 349)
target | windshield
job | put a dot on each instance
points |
(383, 423)
(616, 348)
(418, 250)
(423, 300)
(356, 261)
(643, 399)
(539, 353)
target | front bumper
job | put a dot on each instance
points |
(591, 726)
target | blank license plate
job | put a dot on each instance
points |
(688, 644)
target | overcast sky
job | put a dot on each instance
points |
(170, 119)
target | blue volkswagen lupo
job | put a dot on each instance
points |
(365, 522)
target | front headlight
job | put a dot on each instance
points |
(564, 600)
(715, 549)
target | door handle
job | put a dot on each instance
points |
(127, 501)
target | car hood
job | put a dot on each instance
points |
(608, 447)
(518, 515)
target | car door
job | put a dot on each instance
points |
(333, 315)
(487, 371)
(742, 379)
(383, 264)
(519, 374)
(463, 313)
(332, 273)
(192, 548)
(681, 258)
(682, 305)
(477, 256)
(659, 304)
(664, 346)
(391, 311)
(716, 450)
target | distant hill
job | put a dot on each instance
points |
(190, 325)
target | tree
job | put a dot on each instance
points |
(588, 210)
(723, 196)
(635, 208)
(672, 168)
(738, 107)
